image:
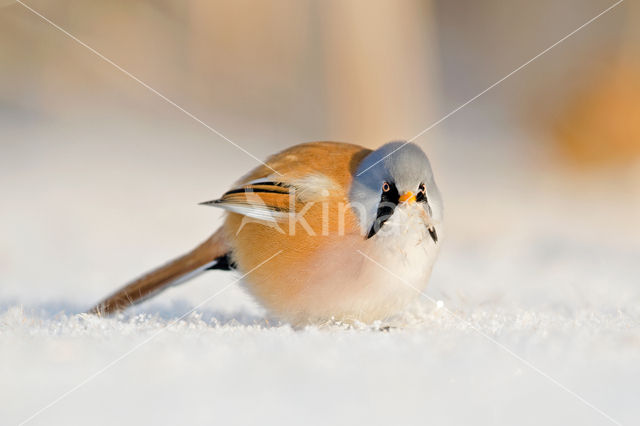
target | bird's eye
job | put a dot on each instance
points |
(386, 187)
(422, 193)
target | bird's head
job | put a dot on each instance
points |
(396, 182)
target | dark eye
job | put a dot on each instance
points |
(422, 193)
(386, 187)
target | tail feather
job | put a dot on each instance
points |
(206, 256)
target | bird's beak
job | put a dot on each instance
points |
(408, 197)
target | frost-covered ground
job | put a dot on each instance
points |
(435, 369)
(534, 340)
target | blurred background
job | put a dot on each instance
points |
(100, 180)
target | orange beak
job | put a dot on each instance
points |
(408, 197)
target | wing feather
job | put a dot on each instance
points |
(265, 200)
(310, 172)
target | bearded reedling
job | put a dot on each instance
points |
(327, 207)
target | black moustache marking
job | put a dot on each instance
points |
(388, 202)
(434, 235)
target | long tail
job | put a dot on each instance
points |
(211, 254)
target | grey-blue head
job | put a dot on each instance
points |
(397, 173)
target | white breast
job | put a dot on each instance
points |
(372, 279)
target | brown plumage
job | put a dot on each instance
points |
(250, 242)
(306, 237)
(169, 274)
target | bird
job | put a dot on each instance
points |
(321, 231)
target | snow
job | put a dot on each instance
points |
(486, 352)
(436, 369)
